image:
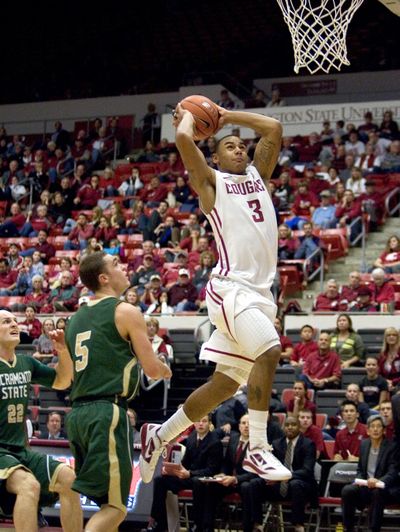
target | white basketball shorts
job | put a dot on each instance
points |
(244, 321)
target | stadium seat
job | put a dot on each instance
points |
(294, 278)
(9, 301)
(335, 240)
(321, 420)
(284, 378)
(373, 340)
(340, 474)
(352, 375)
(288, 394)
(185, 345)
(328, 401)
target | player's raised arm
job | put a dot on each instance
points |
(269, 145)
(131, 325)
(201, 176)
(64, 368)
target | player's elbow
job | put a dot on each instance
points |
(276, 126)
(62, 383)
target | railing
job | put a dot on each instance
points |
(391, 211)
(320, 270)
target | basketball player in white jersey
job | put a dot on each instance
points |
(245, 345)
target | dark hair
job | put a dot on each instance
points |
(54, 413)
(349, 321)
(221, 139)
(307, 326)
(348, 402)
(90, 268)
(302, 383)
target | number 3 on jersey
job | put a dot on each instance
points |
(81, 351)
(255, 206)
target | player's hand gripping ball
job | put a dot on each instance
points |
(205, 113)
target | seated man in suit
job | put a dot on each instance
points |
(232, 479)
(202, 458)
(54, 430)
(298, 454)
(376, 465)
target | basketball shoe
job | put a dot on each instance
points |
(263, 463)
(152, 449)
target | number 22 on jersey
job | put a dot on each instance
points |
(81, 351)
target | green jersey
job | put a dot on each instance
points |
(104, 363)
(15, 380)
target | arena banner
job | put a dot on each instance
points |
(305, 119)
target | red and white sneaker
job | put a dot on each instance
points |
(263, 463)
(152, 449)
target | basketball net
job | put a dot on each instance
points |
(318, 29)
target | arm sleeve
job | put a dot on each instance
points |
(42, 374)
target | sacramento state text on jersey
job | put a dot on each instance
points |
(15, 385)
(15, 379)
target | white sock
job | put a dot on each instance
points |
(258, 428)
(176, 424)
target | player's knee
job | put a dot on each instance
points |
(22, 483)
(64, 481)
(30, 488)
(273, 354)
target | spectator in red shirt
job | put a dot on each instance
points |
(348, 440)
(309, 152)
(287, 245)
(330, 300)
(46, 250)
(171, 168)
(349, 292)
(8, 278)
(286, 343)
(34, 223)
(304, 348)
(108, 182)
(153, 192)
(202, 245)
(300, 400)
(31, 326)
(316, 183)
(382, 290)
(89, 194)
(348, 211)
(152, 291)
(37, 297)
(78, 237)
(322, 369)
(389, 358)
(386, 411)
(104, 233)
(148, 248)
(311, 431)
(389, 260)
(12, 225)
(183, 294)
(304, 205)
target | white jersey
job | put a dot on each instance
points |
(245, 229)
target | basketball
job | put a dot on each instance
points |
(205, 114)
